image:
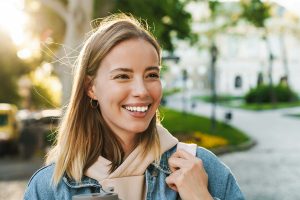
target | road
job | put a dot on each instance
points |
(14, 175)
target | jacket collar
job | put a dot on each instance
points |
(163, 165)
(85, 182)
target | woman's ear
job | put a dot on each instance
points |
(89, 87)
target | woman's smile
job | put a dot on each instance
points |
(138, 111)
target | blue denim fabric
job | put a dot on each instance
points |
(221, 182)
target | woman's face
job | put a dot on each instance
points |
(128, 87)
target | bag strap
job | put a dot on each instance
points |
(190, 148)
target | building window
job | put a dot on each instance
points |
(238, 82)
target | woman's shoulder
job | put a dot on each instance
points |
(211, 162)
(40, 184)
(44, 173)
(206, 154)
(222, 182)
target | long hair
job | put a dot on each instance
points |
(83, 134)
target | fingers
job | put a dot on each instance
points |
(188, 176)
(172, 179)
(176, 163)
(173, 187)
(180, 159)
(180, 153)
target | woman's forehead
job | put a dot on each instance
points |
(130, 54)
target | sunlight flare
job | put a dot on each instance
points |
(13, 20)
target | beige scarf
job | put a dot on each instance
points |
(128, 180)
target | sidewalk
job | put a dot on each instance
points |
(14, 176)
(271, 169)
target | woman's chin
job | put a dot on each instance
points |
(139, 128)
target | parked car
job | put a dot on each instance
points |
(9, 128)
(37, 131)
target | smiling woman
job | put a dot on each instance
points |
(110, 137)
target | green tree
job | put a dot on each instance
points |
(11, 68)
(257, 12)
(73, 18)
(41, 98)
(167, 18)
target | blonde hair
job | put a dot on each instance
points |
(83, 134)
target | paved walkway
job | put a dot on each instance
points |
(271, 169)
(14, 176)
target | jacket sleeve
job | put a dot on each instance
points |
(39, 186)
(232, 189)
(222, 184)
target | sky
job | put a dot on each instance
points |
(292, 5)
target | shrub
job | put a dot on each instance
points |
(263, 94)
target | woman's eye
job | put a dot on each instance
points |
(153, 75)
(121, 76)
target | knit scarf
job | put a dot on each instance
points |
(128, 180)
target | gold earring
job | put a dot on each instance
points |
(92, 102)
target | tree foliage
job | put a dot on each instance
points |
(41, 97)
(45, 24)
(11, 68)
(256, 12)
(214, 6)
(70, 19)
(167, 17)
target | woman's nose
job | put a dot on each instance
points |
(140, 89)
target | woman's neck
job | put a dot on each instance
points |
(129, 145)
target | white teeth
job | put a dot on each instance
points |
(137, 108)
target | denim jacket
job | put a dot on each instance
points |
(221, 182)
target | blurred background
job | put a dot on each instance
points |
(230, 77)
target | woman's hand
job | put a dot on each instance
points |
(188, 176)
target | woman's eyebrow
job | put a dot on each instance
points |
(121, 69)
(157, 68)
(124, 69)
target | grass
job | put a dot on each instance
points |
(182, 123)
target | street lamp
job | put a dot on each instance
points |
(184, 80)
(214, 56)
